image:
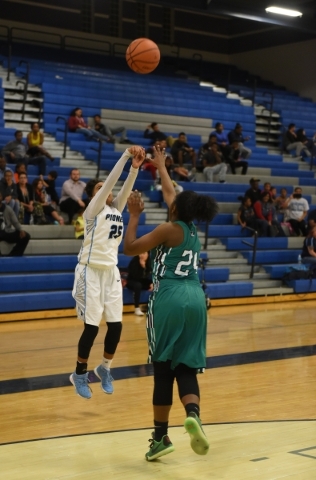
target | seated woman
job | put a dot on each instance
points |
(25, 196)
(309, 247)
(9, 192)
(77, 124)
(19, 168)
(139, 278)
(35, 140)
(264, 211)
(40, 197)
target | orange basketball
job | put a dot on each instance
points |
(143, 55)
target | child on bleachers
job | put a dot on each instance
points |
(49, 185)
(79, 225)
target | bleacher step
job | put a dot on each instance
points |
(272, 291)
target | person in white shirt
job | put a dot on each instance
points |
(297, 208)
(97, 287)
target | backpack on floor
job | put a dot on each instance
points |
(300, 272)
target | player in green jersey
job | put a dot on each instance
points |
(176, 318)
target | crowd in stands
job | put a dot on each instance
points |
(38, 203)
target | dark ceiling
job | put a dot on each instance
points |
(250, 27)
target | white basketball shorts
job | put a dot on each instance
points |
(98, 294)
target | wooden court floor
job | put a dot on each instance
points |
(258, 401)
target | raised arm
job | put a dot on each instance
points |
(120, 201)
(166, 182)
(98, 201)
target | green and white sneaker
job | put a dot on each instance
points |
(158, 449)
(199, 442)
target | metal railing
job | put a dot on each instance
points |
(65, 130)
(254, 248)
(99, 150)
(270, 112)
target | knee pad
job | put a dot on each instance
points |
(112, 337)
(163, 383)
(86, 340)
(186, 380)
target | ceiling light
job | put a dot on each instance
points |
(284, 11)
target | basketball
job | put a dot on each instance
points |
(142, 55)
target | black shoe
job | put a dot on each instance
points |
(126, 140)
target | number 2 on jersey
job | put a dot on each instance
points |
(115, 231)
(186, 263)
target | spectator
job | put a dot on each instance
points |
(25, 196)
(281, 200)
(237, 136)
(110, 132)
(254, 191)
(182, 152)
(221, 137)
(79, 225)
(3, 167)
(291, 142)
(233, 158)
(247, 218)
(49, 185)
(308, 142)
(309, 247)
(71, 195)
(19, 168)
(297, 208)
(11, 230)
(139, 278)
(170, 167)
(264, 211)
(40, 197)
(9, 192)
(35, 140)
(311, 219)
(213, 164)
(77, 124)
(15, 152)
(156, 134)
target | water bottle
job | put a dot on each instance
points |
(299, 259)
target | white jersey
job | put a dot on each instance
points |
(102, 236)
(103, 230)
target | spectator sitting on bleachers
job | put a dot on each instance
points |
(208, 145)
(290, 142)
(35, 140)
(139, 278)
(308, 142)
(77, 124)
(171, 168)
(213, 164)
(264, 210)
(15, 152)
(221, 137)
(49, 185)
(247, 218)
(309, 247)
(182, 152)
(156, 134)
(9, 192)
(266, 188)
(233, 158)
(109, 131)
(11, 230)
(311, 219)
(71, 195)
(3, 167)
(41, 198)
(281, 200)
(297, 208)
(79, 225)
(237, 136)
(25, 196)
(19, 168)
(253, 192)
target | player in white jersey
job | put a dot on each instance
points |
(97, 287)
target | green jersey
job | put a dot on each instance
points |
(181, 262)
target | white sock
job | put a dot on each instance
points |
(106, 363)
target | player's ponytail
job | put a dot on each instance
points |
(191, 205)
